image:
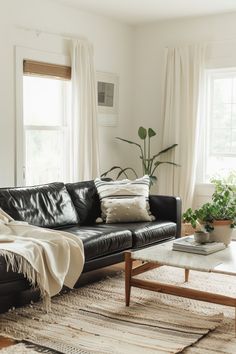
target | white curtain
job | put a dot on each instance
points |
(84, 143)
(183, 79)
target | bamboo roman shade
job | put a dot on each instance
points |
(31, 67)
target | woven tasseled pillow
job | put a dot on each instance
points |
(117, 192)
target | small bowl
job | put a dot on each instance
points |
(201, 236)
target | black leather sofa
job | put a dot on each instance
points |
(74, 207)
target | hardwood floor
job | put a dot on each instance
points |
(86, 278)
(6, 342)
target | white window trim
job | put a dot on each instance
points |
(213, 74)
(203, 189)
(209, 75)
(22, 53)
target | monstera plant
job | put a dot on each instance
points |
(150, 162)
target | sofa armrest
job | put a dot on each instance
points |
(167, 208)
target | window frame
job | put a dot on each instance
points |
(219, 74)
(22, 54)
(203, 188)
(210, 75)
(64, 128)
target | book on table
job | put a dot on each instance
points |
(188, 244)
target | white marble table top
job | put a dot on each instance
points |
(219, 262)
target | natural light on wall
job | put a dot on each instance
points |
(46, 129)
(220, 137)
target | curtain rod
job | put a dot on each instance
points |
(233, 39)
(213, 41)
(38, 32)
(69, 36)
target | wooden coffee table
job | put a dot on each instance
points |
(223, 262)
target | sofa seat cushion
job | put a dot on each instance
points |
(46, 205)
(100, 240)
(13, 287)
(147, 233)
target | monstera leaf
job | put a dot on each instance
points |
(149, 162)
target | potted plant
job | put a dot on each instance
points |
(218, 216)
(150, 162)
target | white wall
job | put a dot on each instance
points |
(219, 31)
(113, 50)
(135, 55)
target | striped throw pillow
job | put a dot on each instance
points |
(121, 190)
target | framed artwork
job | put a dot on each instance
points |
(107, 97)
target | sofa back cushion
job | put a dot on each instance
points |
(46, 205)
(86, 201)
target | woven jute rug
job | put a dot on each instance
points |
(94, 319)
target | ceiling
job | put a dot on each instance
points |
(136, 12)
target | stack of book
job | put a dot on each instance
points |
(187, 244)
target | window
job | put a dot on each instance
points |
(220, 124)
(46, 122)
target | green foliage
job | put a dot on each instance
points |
(151, 133)
(142, 133)
(222, 207)
(229, 179)
(149, 161)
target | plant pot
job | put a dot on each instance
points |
(222, 231)
(201, 236)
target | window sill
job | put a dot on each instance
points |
(203, 193)
(204, 188)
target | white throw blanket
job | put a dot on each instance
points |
(48, 258)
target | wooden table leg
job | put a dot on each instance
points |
(186, 275)
(128, 270)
